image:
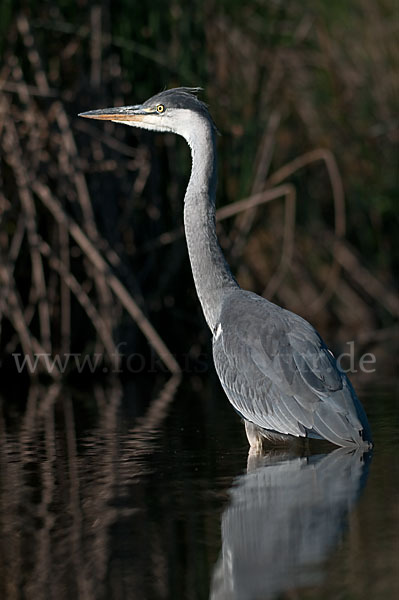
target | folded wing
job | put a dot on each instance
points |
(278, 373)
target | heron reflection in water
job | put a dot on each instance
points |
(283, 521)
(274, 367)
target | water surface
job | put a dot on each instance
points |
(148, 492)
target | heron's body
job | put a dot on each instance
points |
(273, 365)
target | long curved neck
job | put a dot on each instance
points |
(212, 275)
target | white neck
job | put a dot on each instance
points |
(212, 275)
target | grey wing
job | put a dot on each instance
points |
(278, 374)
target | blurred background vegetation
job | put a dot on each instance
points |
(305, 98)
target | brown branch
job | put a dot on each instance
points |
(16, 241)
(33, 55)
(105, 298)
(78, 178)
(339, 207)
(362, 276)
(28, 90)
(288, 243)
(65, 299)
(12, 308)
(240, 206)
(252, 201)
(72, 284)
(106, 139)
(335, 178)
(112, 281)
(13, 155)
(264, 158)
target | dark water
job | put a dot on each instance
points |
(103, 499)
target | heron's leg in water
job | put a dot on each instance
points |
(254, 438)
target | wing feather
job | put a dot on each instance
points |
(279, 374)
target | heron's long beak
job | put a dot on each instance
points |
(123, 113)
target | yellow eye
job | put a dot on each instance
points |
(160, 108)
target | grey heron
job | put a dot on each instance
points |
(274, 367)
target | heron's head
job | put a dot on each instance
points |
(177, 111)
